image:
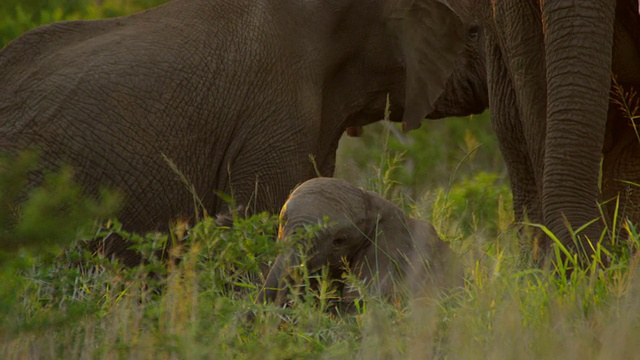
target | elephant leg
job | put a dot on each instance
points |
(261, 178)
(508, 128)
(578, 41)
(522, 43)
(521, 39)
(621, 167)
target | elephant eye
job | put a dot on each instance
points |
(340, 240)
(474, 32)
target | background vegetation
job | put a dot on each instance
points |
(60, 300)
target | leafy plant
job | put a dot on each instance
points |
(54, 213)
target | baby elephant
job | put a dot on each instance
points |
(381, 245)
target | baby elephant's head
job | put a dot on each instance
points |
(386, 249)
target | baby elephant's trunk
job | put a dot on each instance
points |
(275, 289)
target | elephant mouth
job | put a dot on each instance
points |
(370, 116)
(473, 110)
(474, 101)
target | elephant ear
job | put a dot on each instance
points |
(409, 251)
(440, 265)
(388, 232)
(431, 37)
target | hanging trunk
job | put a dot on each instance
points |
(275, 289)
(578, 43)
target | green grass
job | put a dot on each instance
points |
(72, 304)
(62, 301)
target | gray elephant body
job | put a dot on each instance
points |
(237, 94)
(548, 89)
(387, 250)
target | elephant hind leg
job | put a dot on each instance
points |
(621, 164)
(508, 127)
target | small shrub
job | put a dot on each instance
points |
(54, 213)
(474, 205)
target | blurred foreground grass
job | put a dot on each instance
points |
(65, 302)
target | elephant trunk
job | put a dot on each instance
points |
(579, 40)
(274, 289)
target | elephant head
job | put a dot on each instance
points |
(466, 92)
(378, 242)
(429, 59)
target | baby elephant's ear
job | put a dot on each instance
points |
(432, 37)
(443, 268)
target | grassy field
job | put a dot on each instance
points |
(61, 301)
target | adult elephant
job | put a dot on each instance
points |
(548, 68)
(364, 232)
(236, 93)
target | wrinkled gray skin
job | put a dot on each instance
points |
(238, 94)
(374, 236)
(548, 90)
